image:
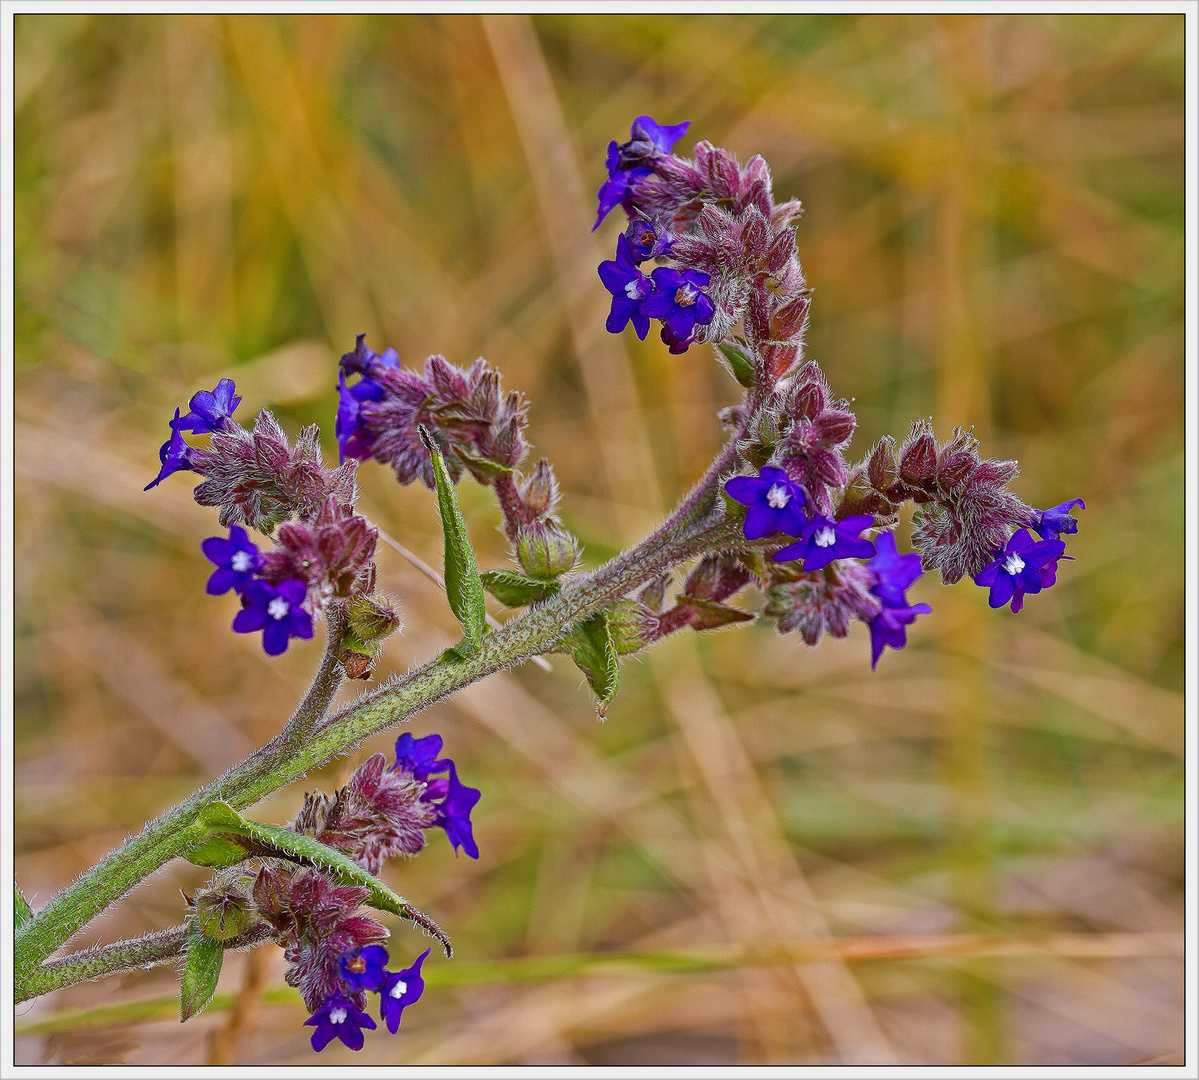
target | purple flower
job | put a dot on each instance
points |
(363, 969)
(276, 611)
(211, 410)
(419, 756)
(174, 454)
(889, 627)
(1023, 566)
(1050, 524)
(618, 188)
(354, 439)
(399, 990)
(893, 573)
(821, 541)
(649, 239)
(237, 559)
(775, 503)
(451, 800)
(338, 1017)
(680, 304)
(649, 139)
(629, 287)
(365, 361)
(453, 812)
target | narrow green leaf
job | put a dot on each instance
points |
(22, 912)
(514, 590)
(201, 970)
(216, 851)
(594, 653)
(463, 586)
(738, 361)
(217, 820)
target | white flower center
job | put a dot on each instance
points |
(241, 561)
(633, 289)
(337, 1016)
(278, 608)
(826, 537)
(399, 990)
(1013, 564)
(777, 497)
(685, 297)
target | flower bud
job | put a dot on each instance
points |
(546, 550)
(789, 320)
(918, 455)
(628, 623)
(224, 913)
(540, 491)
(881, 466)
(372, 618)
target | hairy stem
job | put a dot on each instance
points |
(151, 950)
(306, 743)
(326, 681)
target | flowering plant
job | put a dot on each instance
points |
(783, 509)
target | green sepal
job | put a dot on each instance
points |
(515, 590)
(626, 624)
(483, 469)
(463, 586)
(220, 821)
(709, 615)
(201, 971)
(592, 650)
(22, 912)
(739, 362)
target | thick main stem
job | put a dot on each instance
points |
(292, 754)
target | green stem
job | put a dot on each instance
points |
(291, 755)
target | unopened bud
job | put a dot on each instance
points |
(789, 319)
(224, 914)
(627, 623)
(918, 455)
(881, 466)
(540, 491)
(372, 618)
(546, 550)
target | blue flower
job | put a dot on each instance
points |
(649, 140)
(628, 286)
(338, 1017)
(452, 801)
(681, 305)
(399, 990)
(893, 573)
(1050, 524)
(354, 439)
(211, 410)
(236, 558)
(1023, 566)
(363, 969)
(822, 541)
(418, 757)
(889, 627)
(174, 454)
(618, 188)
(775, 503)
(649, 239)
(276, 611)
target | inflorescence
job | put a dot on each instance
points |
(812, 529)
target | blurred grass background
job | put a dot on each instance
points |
(994, 233)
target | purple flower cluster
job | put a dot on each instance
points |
(1024, 566)
(450, 800)
(675, 297)
(776, 504)
(364, 970)
(275, 609)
